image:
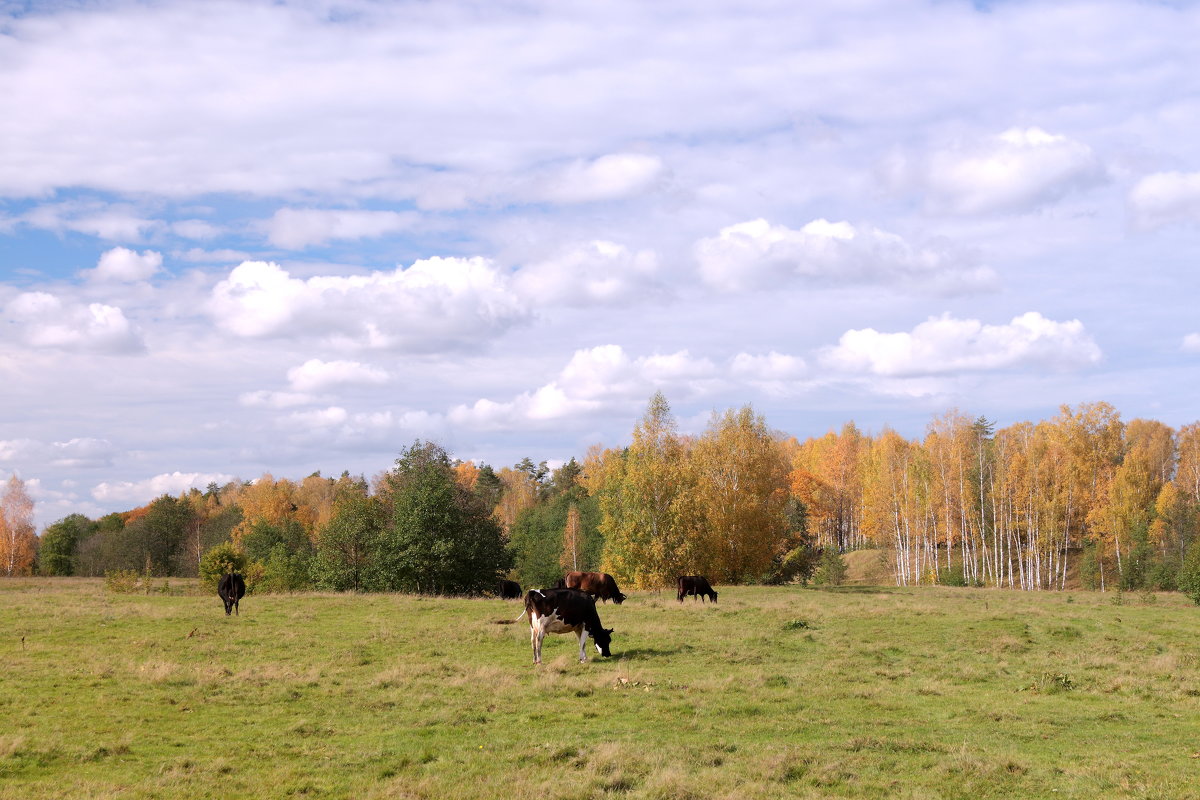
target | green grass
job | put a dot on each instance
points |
(775, 692)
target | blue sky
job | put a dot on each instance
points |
(239, 238)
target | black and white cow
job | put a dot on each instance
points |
(695, 585)
(564, 611)
(231, 589)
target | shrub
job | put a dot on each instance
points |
(1189, 573)
(216, 562)
(831, 569)
(122, 581)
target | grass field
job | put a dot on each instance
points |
(775, 692)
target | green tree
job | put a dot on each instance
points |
(831, 569)
(347, 542)
(441, 540)
(220, 560)
(279, 555)
(60, 543)
(537, 538)
(1189, 573)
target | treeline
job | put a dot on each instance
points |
(1081, 497)
(1084, 498)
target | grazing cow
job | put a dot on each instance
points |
(509, 590)
(597, 584)
(564, 611)
(696, 586)
(231, 589)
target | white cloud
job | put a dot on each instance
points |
(17, 450)
(85, 452)
(1016, 171)
(594, 380)
(1166, 197)
(121, 264)
(195, 229)
(319, 418)
(597, 272)
(268, 399)
(42, 320)
(109, 221)
(609, 177)
(1191, 343)
(140, 492)
(759, 255)
(437, 303)
(315, 375)
(945, 345)
(297, 228)
(78, 453)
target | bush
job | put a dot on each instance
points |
(122, 581)
(1189, 573)
(797, 564)
(831, 569)
(216, 562)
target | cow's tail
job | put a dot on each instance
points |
(523, 613)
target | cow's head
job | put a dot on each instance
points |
(228, 605)
(619, 598)
(603, 639)
(714, 595)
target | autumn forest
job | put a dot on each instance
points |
(1082, 500)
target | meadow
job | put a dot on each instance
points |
(774, 692)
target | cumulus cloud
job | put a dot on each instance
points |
(297, 228)
(1164, 198)
(121, 264)
(139, 492)
(42, 320)
(609, 177)
(594, 380)
(1016, 171)
(944, 344)
(436, 303)
(759, 255)
(315, 375)
(597, 272)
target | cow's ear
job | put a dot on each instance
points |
(609, 631)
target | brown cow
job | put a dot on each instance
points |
(598, 584)
(696, 586)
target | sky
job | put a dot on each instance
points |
(240, 238)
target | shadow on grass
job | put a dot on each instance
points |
(861, 589)
(646, 653)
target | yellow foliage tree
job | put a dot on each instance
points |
(18, 539)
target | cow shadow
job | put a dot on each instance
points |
(647, 653)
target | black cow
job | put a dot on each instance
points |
(695, 585)
(231, 589)
(597, 584)
(564, 611)
(508, 590)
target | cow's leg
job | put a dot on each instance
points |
(533, 641)
(582, 646)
